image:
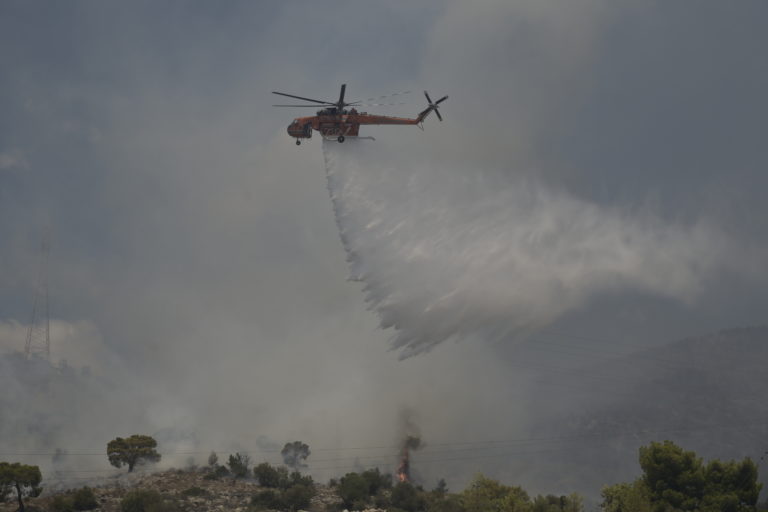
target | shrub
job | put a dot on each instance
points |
(238, 465)
(142, 500)
(272, 477)
(353, 490)
(485, 494)
(298, 496)
(84, 499)
(283, 478)
(552, 503)
(266, 475)
(218, 472)
(194, 491)
(297, 478)
(376, 480)
(268, 499)
(441, 488)
(438, 502)
(62, 503)
(406, 497)
(381, 500)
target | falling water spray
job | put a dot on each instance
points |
(444, 255)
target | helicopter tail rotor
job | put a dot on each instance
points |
(432, 106)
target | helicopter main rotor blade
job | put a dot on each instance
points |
(387, 96)
(302, 98)
(303, 106)
(375, 104)
(341, 96)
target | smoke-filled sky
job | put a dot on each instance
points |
(601, 172)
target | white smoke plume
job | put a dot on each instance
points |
(444, 255)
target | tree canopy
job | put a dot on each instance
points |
(676, 479)
(132, 450)
(552, 503)
(24, 479)
(626, 497)
(269, 476)
(487, 495)
(353, 490)
(238, 465)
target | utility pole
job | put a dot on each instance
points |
(39, 331)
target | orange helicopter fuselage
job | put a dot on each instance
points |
(331, 124)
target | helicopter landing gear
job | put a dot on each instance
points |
(298, 142)
(340, 139)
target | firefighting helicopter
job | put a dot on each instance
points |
(335, 122)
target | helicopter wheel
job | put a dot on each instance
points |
(298, 142)
(340, 139)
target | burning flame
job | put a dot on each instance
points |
(404, 468)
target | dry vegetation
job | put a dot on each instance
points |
(184, 491)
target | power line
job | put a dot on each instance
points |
(429, 448)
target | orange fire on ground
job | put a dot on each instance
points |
(404, 468)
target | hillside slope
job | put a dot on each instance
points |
(705, 393)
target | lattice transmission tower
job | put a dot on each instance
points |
(39, 331)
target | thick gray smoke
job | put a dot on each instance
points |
(446, 255)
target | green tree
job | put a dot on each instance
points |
(674, 476)
(296, 478)
(132, 450)
(376, 480)
(677, 479)
(61, 503)
(238, 465)
(84, 499)
(294, 454)
(267, 500)
(353, 490)
(552, 503)
(626, 497)
(487, 495)
(81, 499)
(283, 477)
(298, 496)
(444, 502)
(23, 479)
(218, 472)
(406, 497)
(730, 486)
(269, 476)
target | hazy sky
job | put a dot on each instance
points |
(195, 246)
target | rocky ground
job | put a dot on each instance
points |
(188, 489)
